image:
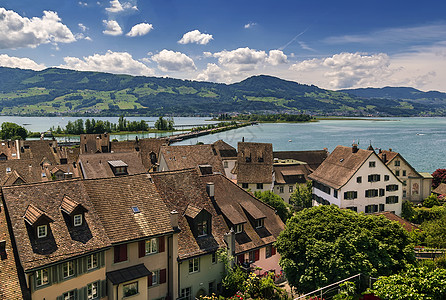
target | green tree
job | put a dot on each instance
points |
(163, 124)
(302, 195)
(13, 131)
(431, 201)
(434, 233)
(282, 209)
(415, 284)
(324, 244)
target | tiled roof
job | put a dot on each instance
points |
(390, 155)
(179, 190)
(8, 149)
(340, 166)
(98, 165)
(70, 206)
(192, 211)
(391, 216)
(292, 173)
(34, 214)
(63, 240)
(230, 198)
(94, 143)
(41, 150)
(312, 157)
(254, 163)
(225, 150)
(128, 274)
(440, 190)
(113, 199)
(191, 156)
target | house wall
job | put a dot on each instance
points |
(253, 187)
(286, 191)
(231, 165)
(208, 272)
(162, 163)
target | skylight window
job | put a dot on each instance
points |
(135, 209)
(8, 170)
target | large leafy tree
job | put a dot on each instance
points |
(415, 284)
(12, 131)
(325, 244)
(434, 232)
(302, 195)
(283, 210)
(439, 176)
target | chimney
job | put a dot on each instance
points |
(3, 254)
(230, 241)
(390, 149)
(354, 148)
(210, 189)
(174, 219)
(384, 158)
(243, 139)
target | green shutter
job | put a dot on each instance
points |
(82, 293)
(33, 282)
(102, 288)
(60, 272)
(59, 298)
(54, 275)
(101, 259)
(81, 265)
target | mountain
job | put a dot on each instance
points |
(402, 93)
(56, 91)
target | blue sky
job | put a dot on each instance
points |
(331, 44)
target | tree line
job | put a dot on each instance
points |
(267, 118)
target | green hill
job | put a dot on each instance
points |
(67, 92)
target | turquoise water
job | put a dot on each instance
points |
(421, 141)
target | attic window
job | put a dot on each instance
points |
(8, 170)
(77, 220)
(260, 159)
(238, 228)
(259, 223)
(248, 159)
(135, 209)
(42, 231)
(341, 160)
(118, 167)
(43, 174)
(202, 228)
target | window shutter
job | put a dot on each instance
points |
(161, 244)
(241, 258)
(149, 280)
(101, 259)
(142, 248)
(379, 177)
(257, 255)
(60, 272)
(59, 298)
(33, 282)
(116, 252)
(82, 292)
(356, 194)
(54, 275)
(81, 265)
(370, 178)
(345, 195)
(102, 287)
(123, 252)
(163, 276)
(273, 250)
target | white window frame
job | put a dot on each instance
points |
(281, 189)
(68, 268)
(194, 265)
(44, 233)
(186, 293)
(214, 258)
(92, 290)
(202, 228)
(42, 277)
(260, 223)
(225, 164)
(151, 246)
(126, 287)
(155, 277)
(238, 228)
(77, 220)
(70, 295)
(92, 261)
(290, 189)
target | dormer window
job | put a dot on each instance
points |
(42, 231)
(260, 159)
(199, 220)
(238, 228)
(118, 167)
(259, 223)
(202, 228)
(77, 220)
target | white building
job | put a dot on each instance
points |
(357, 179)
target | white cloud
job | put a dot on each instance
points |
(115, 6)
(112, 62)
(17, 31)
(196, 37)
(112, 28)
(276, 57)
(82, 27)
(140, 29)
(241, 59)
(168, 60)
(85, 4)
(18, 62)
(250, 25)
(214, 73)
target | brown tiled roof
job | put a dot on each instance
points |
(391, 155)
(232, 214)
(41, 150)
(391, 216)
(93, 143)
(9, 149)
(254, 163)
(440, 190)
(28, 170)
(34, 214)
(340, 166)
(98, 166)
(70, 206)
(225, 150)
(312, 157)
(191, 156)
(192, 211)
(230, 198)
(10, 287)
(63, 241)
(144, 146)
(113, 199)
(291, 173)
(179, 190)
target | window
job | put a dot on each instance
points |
(68, 269)
(322, 187)
(372, 164)
(214, 258)
(392, 187)
(354, 208)
(194, 265)
(155, 277)
(186, 293)
(374, 177)
(404, 172)
(371, 193)
(238, 228)
(391, 199)
(290, 189)
(225, 164)
(371, 208)
(359, 179)
(281, 189)
(404, 193)
(77, 220)
(71, 295)
(42, 231)
(381, 192)
(259, 223)
(397, 173)
(92, 291)
(130, 289)
(335, 193)
(397, 163)
(151, 246)
(269, 251)
(244, 185)
(202, 227)
(350, 195)
(386, 177)
(42, 277)
(92, 261)
(260, 186)
(252, 256)
(381, 207)
(120, 253)
(8, 170)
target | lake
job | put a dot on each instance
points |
(421, 141)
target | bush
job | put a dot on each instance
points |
(431, 201)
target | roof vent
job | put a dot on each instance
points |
(354, 148)
(135, 209)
